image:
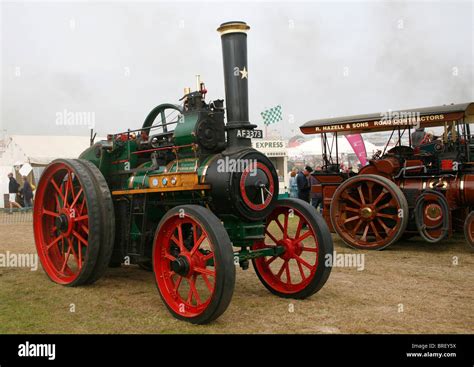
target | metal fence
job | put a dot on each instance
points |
(16, 217)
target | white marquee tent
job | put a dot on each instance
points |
(314, 147)
(38, 151)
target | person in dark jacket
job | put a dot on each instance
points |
(13, 187)
(417, 137)
(316, 197)
(27, 192)
(304, 186)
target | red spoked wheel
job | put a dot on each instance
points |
(301, 270)
(369, 212)
(432, 216)
(469, 229)
(193, 264)
(68, 220)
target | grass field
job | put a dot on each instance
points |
(411, 287)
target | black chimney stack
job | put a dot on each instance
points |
(234, 52)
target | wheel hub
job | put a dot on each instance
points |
(433, 212)
(367, 213)
(62, 222)
(65, 222)
(180, 265)
(291, 248)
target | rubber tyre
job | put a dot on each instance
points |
(108, 220)
(122, 232)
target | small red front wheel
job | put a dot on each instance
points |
(469, 229)
(193, 264)
(301, 270)
(432, 216)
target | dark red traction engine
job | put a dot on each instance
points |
(423, 188)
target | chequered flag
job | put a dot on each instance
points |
(272, 115)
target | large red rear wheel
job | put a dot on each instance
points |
(193, 264)
(301, 270)
(369, 212)
(68, 221)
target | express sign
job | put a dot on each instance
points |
(269, 144)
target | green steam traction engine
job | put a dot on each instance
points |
(187, 197)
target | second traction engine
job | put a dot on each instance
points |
(422, 186)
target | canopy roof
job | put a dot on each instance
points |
(424, 117)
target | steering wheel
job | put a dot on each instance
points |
(403, 151)
(425, 140)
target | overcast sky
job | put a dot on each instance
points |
(118, 60)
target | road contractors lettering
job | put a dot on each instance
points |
(384, 122)
(37, 350)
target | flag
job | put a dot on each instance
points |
(357, 144)
(272, 115)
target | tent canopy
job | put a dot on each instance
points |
(314, 147)
(37, 151)
(41, 150)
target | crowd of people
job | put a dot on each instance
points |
(15, 189)
(300, 187)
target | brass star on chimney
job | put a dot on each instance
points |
(244, 73)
